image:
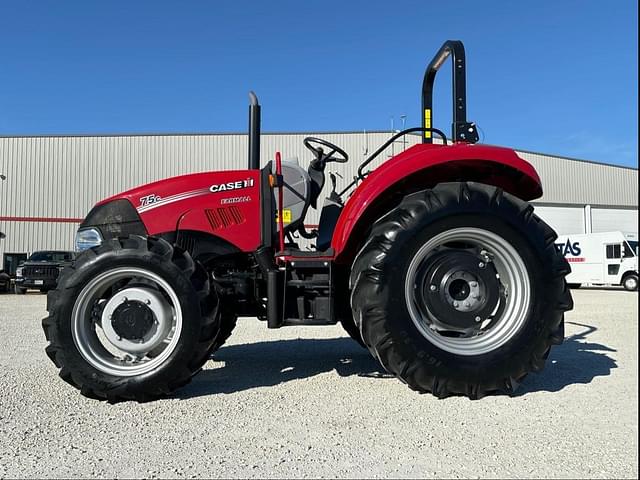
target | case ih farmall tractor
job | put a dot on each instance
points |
(434, 261)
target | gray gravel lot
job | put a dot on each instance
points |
(308, 402)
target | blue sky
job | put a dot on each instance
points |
(550, 76)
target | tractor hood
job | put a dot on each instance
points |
(225, 204)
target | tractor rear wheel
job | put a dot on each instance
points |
(132, 319)
(459, 291)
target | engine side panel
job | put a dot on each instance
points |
(225, 204)
(423, 166)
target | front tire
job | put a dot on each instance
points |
(630, 282)
(459, 291)
(228, 322)
(133, 319)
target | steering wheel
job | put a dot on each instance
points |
(313, 144)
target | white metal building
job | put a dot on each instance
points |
(53, 181)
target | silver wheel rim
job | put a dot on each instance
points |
(94, 334)
(631, 283)
(513, 276)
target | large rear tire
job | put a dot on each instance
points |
(132, 319)
(459, 291)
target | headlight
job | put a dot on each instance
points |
(87, 238)
(19, 272)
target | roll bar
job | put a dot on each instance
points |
(461, 129)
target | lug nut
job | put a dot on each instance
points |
(125, 299)
(467, 304)
(432, 288)
(148, 302)
(481, 264)
(473, 284)
(455, 304)
(478, 319)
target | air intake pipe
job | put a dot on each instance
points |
(254, 132)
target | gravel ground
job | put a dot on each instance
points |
(308, 402)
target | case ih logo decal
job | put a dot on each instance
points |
(225, 187)
(570, 251)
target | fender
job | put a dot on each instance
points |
(423, 166)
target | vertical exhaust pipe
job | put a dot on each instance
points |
(254, 132)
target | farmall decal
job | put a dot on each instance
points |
(570, 251)
(225, 187)
(227, 201)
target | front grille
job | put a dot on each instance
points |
(44, 271)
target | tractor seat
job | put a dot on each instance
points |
(329, 215)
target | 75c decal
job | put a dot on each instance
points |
(149, 200)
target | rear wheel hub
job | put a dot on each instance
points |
(467, 291)
(458, 287)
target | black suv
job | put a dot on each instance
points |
(5, 281)
(41, 270)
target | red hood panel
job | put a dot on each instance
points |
(225, 204)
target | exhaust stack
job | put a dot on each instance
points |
(254, 132)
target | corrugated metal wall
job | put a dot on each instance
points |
(578, 182)
(51, 178)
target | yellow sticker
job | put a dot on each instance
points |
(286, 216)
(427, 122)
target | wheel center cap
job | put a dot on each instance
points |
(132, 320)
(459, 289)
(136, 319)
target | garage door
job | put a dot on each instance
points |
(614, 219)
(564, 220)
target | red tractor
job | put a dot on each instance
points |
(434, 261)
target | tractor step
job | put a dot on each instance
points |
(303, 291)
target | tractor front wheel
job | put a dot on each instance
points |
(228, 322)
(459, 291)
(132, 319)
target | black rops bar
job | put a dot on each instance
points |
(461, 130)
(254, 132)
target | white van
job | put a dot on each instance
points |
(609, 258)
